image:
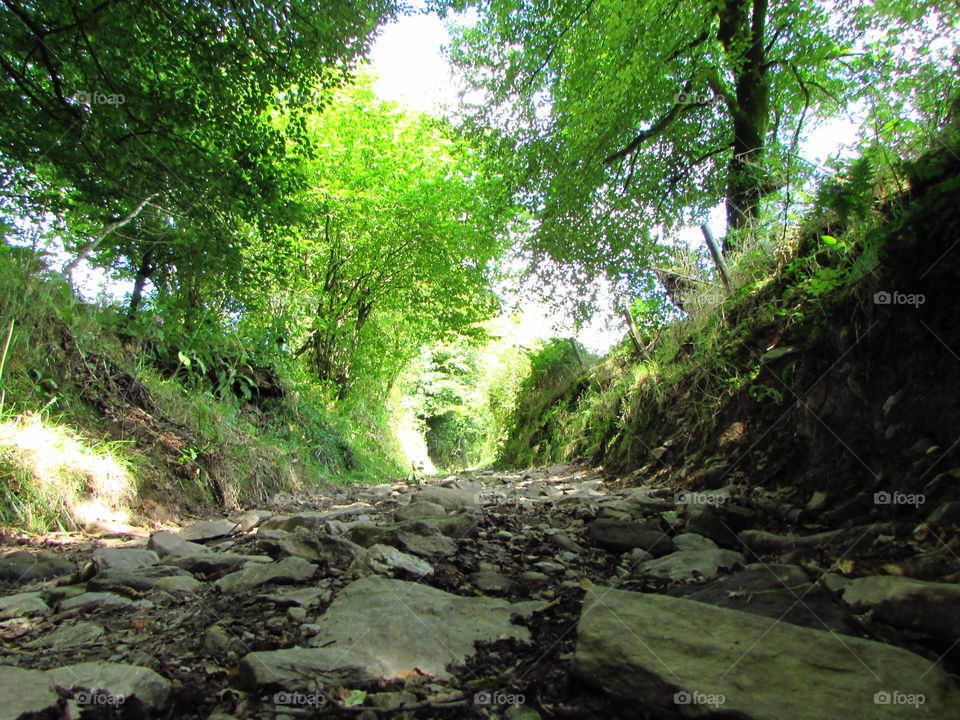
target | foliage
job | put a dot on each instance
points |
(619, 121)
(142, 133)
(392, 245)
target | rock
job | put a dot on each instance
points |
(623, 535)
(564, 541)
(710, 477)
(646, 502)
(210, 529)
(449, 498)
(216, 640)
(720, 522)
(391, 701)
(215, 564)
(926, 607)
(133, 583)
(297, 669)
(781, 592)
(325, 549)
(461, 524)
(92, 600)
(818, 501)
(22, 604)
(387, 560)
(399, 627)
(418, 510)
(688, 658)
(179, 585)
(534, 578)
(166, 544)
(113, 679)
(692, 541)
(123, 559)
(549, 567)
(491, 581)
(945, 515)
(22, 567)
(26, 694)
(689, 565)
(250, 520)
(835, 582)
(635, 557)
(297, 614)
(428, 546)
(68, 636)
(316, 521)
(304, 597)
(761, 541)
(291, 569)
(58, 594)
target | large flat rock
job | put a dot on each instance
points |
(927, 607)
(684, 657)
(26, 693)
(115, 679)
(777, 591)
(288, 570)
(401, 626)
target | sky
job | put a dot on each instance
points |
(410, 68)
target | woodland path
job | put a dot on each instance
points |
(556, 592)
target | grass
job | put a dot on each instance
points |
(53, 477)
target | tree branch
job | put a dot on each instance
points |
(653, 131)
(109, 228)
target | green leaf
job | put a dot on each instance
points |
(356, 697)
(184, 360)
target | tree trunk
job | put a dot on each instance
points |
(143, 274)
(751, 112)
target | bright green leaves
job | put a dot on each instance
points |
(395, 233)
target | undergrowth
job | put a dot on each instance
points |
(97, 424)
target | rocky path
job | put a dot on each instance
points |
(552, 593)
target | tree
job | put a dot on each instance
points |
(619, 117)
(390, 244)
(114, 108)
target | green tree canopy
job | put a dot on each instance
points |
(391, 243)
(623, 116)
(110, 107)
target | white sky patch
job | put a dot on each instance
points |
(409, 66)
